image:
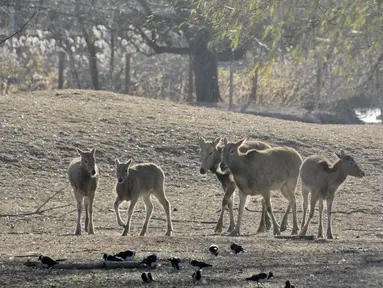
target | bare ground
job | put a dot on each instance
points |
(40, 130)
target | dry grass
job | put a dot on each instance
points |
(40, 130)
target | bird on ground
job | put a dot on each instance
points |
(198, 265)
(113, 258)
(214, 250)
(175, 261)
(261, 277)
(48, 261)
(236, 248)
(147, 277)
(197, 275)
(150, 260)
(288, 285)
(126, 255)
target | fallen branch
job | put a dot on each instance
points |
(295, 237)
(91, 265)
(185, 221)
(39, 209)
(360, 210)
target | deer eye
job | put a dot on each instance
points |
(86, 161)
(232, 151)
(210, 153)
(352, 163)
(126, 170)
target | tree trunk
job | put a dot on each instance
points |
(92, 56)
(93, 66)
(205, 69)
(61, 69)
(127, 89)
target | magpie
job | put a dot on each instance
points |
(261, 277)
(198, 265)
(147, 277)
(108, 257)
(236, 248)
(288, 285)
(214, 250)
(175, 262)
(150, 260)
(126, 255)
(48, 261)
(197, 275)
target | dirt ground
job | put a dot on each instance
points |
(39, 132)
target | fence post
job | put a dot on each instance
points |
(231, 93)
(61, 69)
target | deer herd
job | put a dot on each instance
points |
(253, 166)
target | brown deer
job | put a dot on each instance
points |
(141, 180)
(210, 159)
(322, 178)
(256, 172)
(83, 176)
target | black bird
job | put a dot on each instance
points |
(214, 250)
(126, 255)
(261, 277)
(175, 262)
(108, 257)
(150, 260)
(236, 248)
(197, 275)
(48, 261)
(288, 285)
(198, 265)
(147, 277)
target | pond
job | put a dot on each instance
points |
(368, 115)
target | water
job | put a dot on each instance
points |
(369, 115)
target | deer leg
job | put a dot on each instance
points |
(266, 196)
(329, 218)
(89, 201)
(226, 201)
(79, 200)
(305, 196)
(320, 227)
(313, 202)
(262, 225)
(160, 195)
(242, 202)
(133, 202)
(116, 205)
(149, 211)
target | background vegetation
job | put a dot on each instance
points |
(310, 54)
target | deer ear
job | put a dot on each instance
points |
(339, 155)
(240, 142)
(117, 162)
(201, 141)
(225, 140)
(129, 162)
(79, 151)
(93, 151)
(217, 141)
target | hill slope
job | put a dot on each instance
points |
(40, 130)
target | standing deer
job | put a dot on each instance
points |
(322, 178)
(256, 172)
(210, 159)
(83, 176)
(141, 180)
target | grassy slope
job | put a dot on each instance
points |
(40, 130)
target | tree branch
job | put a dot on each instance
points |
(39, 209)
(35, 12)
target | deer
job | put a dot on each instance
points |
(210, 160)
(256, 172)
(83, 176)
(322, 179)
(140, 181)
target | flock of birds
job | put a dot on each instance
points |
(151, 260)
